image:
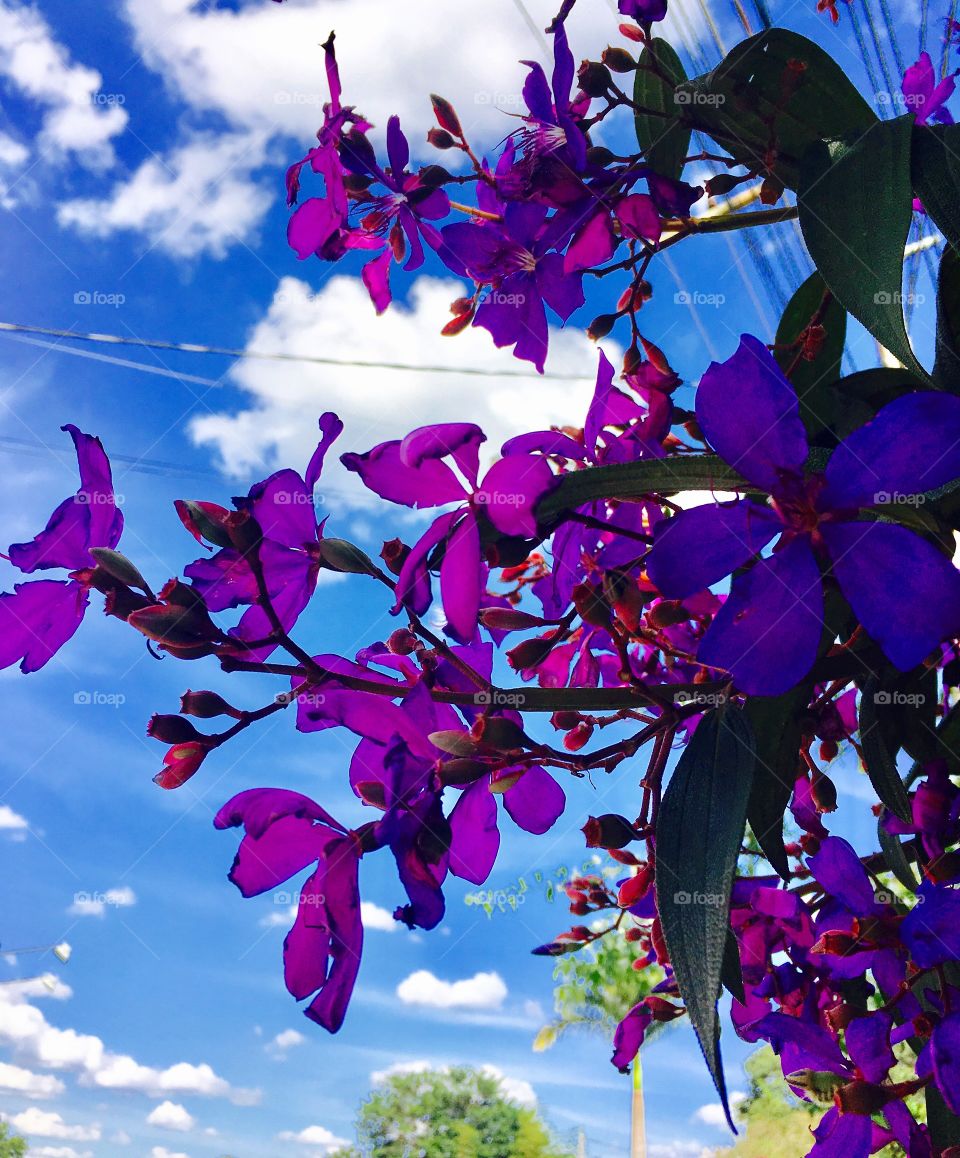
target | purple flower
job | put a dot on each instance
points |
(284, 834)
(903, 590)
(413, 472)
(517, 258)
(38, 618)
(643, 10)
(283, 507)
(924, 97)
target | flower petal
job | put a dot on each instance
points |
(462, 580)
(511, 490)
(749, 413)
(536, 801)
(903, 590)
(474, 836)
(37, 619)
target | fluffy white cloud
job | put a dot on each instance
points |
(279, 424)
(58, 1152)
(712, 1114)
(262, 65)
(482, 991)
(78, 118)
(516, 1089)
(315, 1136)
(30, 1085)
(171, 1116)
(96, 904)
(374, 917)
(163, 1152)
(47, 1124)
(197, 199)
(25, 1028)
(11, 821)
(286, 1040)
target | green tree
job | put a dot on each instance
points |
(11, 1146)
(776, 1124)
(450, 1113)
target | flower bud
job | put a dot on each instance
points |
(173, 730)
(207, 705)
(119, 566)
(434, 176)
(599, 157)
(180, 595)
(498, 732)
(245, 532)
(446, 115)
(829, 750)
(455, 742)
(462, 770)
(721, 184)
(564, 720)
(440, 139)
(577, 737)
(823, 792)
(662, 1009)
(345, 557)
(402, 642)
(590, 604)
(503, 779)
(394, 554)
(594, 78)
(530, 653)
(204, 521)
(611, 830)
(174, 626)
(506, 619)
(618, 59)
(667, 613)
(601, 325)
(180, 763)
(635, 888)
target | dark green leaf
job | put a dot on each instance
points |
(699, 831)
(813, 379)
(628, 480)
(731, 971)
(878, 386)
(944, 1127)
(935, 169)
(664, 141)
(775, 721)
(896, 859)
(881, 764)
(946, 367)
(856, 206)
(737, 102)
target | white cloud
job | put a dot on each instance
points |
(263, 65)
(517, 1089)
(47, 1124)
(198, 199)
(379, 404)
(284, 918)
(712, 1114)
(419, 1066)
(171, 1116)
(58, 1152)
(482, 991)
(284, 1041)
(315, 1136)
(26, 1030)
(96, 904)
(27, 1083)
(78, 118)
(121, 1138)
(163, 1152)
(11, 821)
(374, 917)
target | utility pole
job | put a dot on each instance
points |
(638, 1133)
(581, 1145)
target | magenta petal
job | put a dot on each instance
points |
(287, 847)
(514, 316)
(842, 1136)
(511, 490)
(768, 630)
(37, 619)
(638, 217)
(375, 275)
(462, 580)
(330, 429)
(536, 801)
(383, 471)
(592, 244)
(89, 518)
(474, 836)
(312, 224)
(283, 506)
(903, 590)
(258, 808)
(911, 446)
(629, 1036)
(868, 1044)
(839, 870)
(460, 440)
(341, 915)
(306, 948)
(749, 413)
(562, 291)
(413, 582)
(700, 546)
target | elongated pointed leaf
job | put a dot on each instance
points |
(935, 168)
(946, 367)
(881, 763)
(856, 206)
(896, 858)
(813, 378)
(665, 141)
(699, 832)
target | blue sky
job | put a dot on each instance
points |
(142, 149)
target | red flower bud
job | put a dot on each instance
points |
(446, 115)
(207, 705)
(565, 720)
(173, 730)
(577, 737)
(608, 831)
(402, 642)
(180, 763)
(394, 555)
(530, 653)
(506, 619)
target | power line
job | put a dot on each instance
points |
(313, 359)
